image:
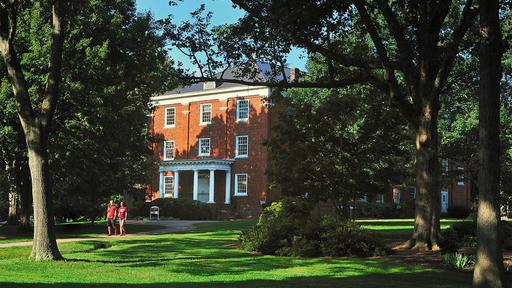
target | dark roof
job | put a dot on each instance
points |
(264, 73)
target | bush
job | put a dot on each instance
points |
(286, 228)
(184, 209)
(463, 234)
(458, 260)
(458, 212)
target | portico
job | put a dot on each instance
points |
(203, 179)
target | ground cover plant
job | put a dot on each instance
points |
(207, 257)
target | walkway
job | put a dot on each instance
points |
(169, 226)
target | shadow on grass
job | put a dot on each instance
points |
(417, 280)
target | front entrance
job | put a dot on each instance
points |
(444, 200)
(203, 187)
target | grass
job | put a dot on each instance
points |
(206, 257)
(69, 230)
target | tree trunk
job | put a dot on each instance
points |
(426, 224)
(45, 244)
(489, 270)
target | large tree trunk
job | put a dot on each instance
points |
(44, 244)
(489, 270)
(426, 222)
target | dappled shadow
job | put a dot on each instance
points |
(381, 280)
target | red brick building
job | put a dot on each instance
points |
(210, 145)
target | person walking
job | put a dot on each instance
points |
(122, 214)
(111, 218)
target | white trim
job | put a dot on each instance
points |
(238, 119)
(168, 195)
(208, 95)
(199, 147)
(236, 147)
(165, 117)
(165, 150)
(460, 176)
(236, 184)
(201, 122)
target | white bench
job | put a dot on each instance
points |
(154, 210)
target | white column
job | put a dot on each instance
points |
(176, 183)
(211, 197)
(228, 187)
(161, 185)
(196, 182)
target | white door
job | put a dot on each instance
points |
(203, 187)
(444, 201)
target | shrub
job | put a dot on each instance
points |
(181, 208)
(458, 260)
(286, 228)
(464, 234)
(458, 212)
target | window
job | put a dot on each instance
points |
(170, 117)
(168, 150)
(242, 146)
(168, 186)
(204, 146)
(412, 192)
(380, 198)
(241, 184)
(206, 113)
(242, 110)
(460, 176)
(445, 166)
(364, 199)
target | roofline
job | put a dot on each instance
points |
(205, 92)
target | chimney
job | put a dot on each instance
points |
(294, 74)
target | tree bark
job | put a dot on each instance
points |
(489, 270)
(45, 244)
(426, 222)
(36, 126)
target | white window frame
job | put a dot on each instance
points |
(237, 151)
(380, 199)
(200, 146)
(166, 188)
(173, 150)
(413, 188)
(166, 125)
(238, 118)
(445, 166)
(237, 193)
(460, 176)
(201, 116)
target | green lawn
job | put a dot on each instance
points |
(69, 230)
(206, 257)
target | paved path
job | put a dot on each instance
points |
(169, 226)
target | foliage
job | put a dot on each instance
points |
(463, 234)
(458, 260)
(286, 228)
(350, 143)
(114, 59)
(181, 208)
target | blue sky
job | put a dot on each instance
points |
(223, 13)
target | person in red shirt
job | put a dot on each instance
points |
(122, 213)
(111, 218)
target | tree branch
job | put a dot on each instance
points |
(50, 100)
(358, 79)
(404, 106)
(467, 18)
(12, 63)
